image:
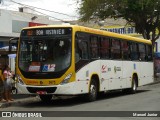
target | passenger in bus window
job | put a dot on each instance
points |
(78, 54)
(83, 51)
(94, 53)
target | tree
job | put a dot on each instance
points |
(144, 15)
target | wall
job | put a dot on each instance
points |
(18, 25)
(12, 22)
(5, 21)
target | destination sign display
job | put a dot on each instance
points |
(46, 32)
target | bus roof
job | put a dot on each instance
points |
(96, 31)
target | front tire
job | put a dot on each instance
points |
(14, 90)
(92, 95)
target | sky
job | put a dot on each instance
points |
(68, 7)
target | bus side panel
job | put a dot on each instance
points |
(83, 76)
(146, 70)
(129, 69)
(105, 74)
(115, 81)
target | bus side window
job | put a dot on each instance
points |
(94, 47)
(142, 52)
(81, 51)
(104, 48)
(149, 53)
(115, 49)
(77, 49)
(134, 51)
(125, 50)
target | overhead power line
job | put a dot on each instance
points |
(48, 15)
(42, 9)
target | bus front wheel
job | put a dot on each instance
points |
(45, 98)
(92, 95)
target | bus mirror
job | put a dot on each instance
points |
(13, 44)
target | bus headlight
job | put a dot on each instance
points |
(66, 79)
(19, 79)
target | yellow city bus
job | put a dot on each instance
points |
(76, 60)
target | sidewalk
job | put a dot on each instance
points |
(19, 99)
(156, 80)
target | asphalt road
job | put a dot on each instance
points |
(146, 99)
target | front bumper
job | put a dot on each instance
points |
(66, 89)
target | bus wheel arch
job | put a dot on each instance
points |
(93, 88)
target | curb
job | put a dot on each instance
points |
(17, 102)
(155, 82)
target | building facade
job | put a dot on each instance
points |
(12, 22)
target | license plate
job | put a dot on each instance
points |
(41, 92)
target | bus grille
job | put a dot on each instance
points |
(46, 89)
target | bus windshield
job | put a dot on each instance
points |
(45, 53)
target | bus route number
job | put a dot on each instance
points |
(39, 32)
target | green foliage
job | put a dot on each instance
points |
(144, 15)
